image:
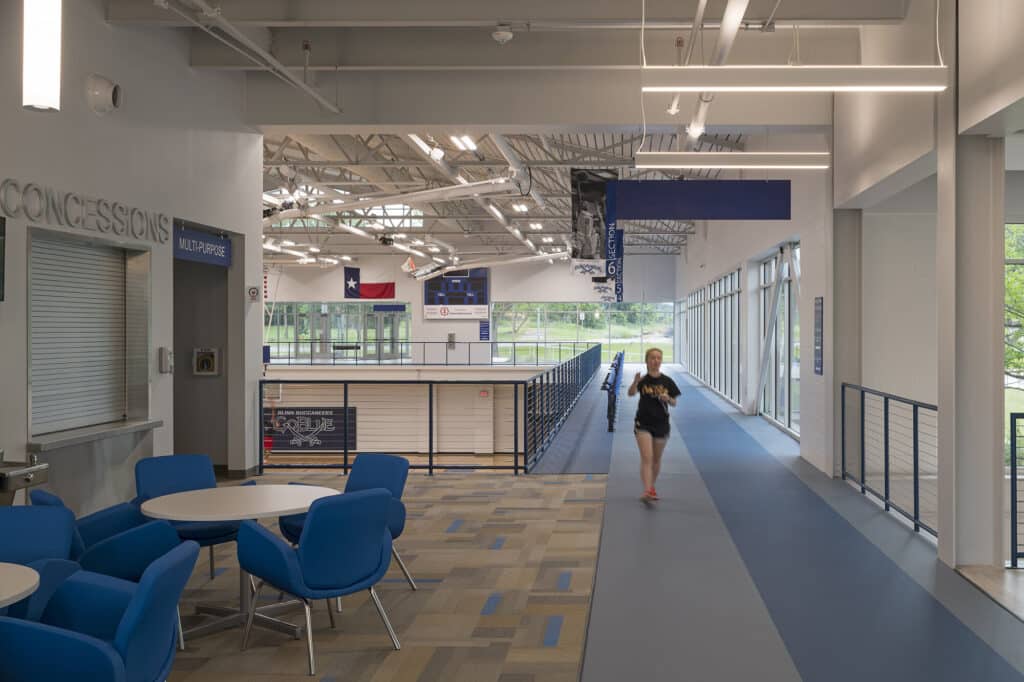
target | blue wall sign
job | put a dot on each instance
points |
(819, 335)
(485, 330)
(700, 199)
(201, 247)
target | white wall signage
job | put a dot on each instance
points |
(47, 206)
(456, 312)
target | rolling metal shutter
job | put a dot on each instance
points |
(77, 309)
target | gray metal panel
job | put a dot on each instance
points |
(77, 334)
(137, 325)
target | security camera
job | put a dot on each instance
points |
(102, 95)
(502, 34)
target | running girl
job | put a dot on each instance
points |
(651, 427)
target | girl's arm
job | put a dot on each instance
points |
(632, 388)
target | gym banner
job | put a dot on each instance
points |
(614, 248)
(589, 190)
(308, 429)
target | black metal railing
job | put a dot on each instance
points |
(324, 425)
(550, 397)
(405, 352)
(1016, 523)
(890, 449)
(611, 384)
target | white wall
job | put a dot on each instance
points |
(883, 136)
(898, 325)
(719, 247)
(178, 146)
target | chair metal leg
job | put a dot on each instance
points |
(337, 602)
(330, 612)
(401, 564)
(384, 617)
(181, 633)
(212, 572)
(251, 616)
(309, 636)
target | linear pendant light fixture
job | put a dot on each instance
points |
(734, 160)
(41, 48)
(799, 78)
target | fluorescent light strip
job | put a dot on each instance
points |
(734, 160)
(468, 142)
(803, 78)
(458, 143)
(41, 50)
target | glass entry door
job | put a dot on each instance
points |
(382, 336)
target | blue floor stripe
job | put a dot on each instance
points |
(846, 612)
(498, 543)
(564, 580)
(456, 524)
(491, 605)
(552, 630)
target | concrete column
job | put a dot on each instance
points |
(969, 294)
(846, 333)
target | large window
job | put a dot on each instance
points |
(713, 335)
(629, 327)
(295, 331)
(780, 399)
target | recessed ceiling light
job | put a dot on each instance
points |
(536, 226)
(520, 208)
(547, 240)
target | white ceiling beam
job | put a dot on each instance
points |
(538, 14)
(517, 101)
(462, 50)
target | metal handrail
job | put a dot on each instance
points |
(914, 515)
(466, 353)
(548, 397)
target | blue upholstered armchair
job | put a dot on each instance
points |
(345, 547)
(102, 629)
(93, 528)
(368, 472)
(157, 476)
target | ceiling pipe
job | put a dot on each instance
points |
(698, 22)
(732, 21)
(492, 263)
(517, 166)
(489, 206)
(496, 185)
(253, 51)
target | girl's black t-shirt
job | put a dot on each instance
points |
(651, 410)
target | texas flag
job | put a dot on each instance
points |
(357, 289)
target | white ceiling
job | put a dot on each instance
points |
(562, 93)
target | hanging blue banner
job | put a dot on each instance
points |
(485, 330)
(613, 240)
(700, 199)
(201, 247)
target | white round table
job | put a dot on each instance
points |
(16, 583)
(238, 503)
(235, 503)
